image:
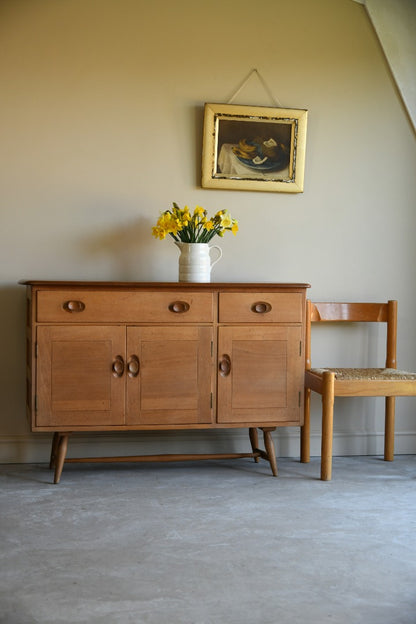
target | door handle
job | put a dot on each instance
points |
(118, 366)
(133, 366)
(225, 366)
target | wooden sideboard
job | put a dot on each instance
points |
(127, 356)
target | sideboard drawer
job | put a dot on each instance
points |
(78, 306)
(261, 307)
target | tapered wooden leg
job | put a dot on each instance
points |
(305, 430)
(327, 425)
(54, 449)
(60, 455)
(254, 440)
(389, 429)
(269, 446)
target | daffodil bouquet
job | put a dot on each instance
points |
(185, 227)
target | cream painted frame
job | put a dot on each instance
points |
(222, 122)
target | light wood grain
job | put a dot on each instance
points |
(124, 306)
(163, 356)
(75, 384)
(248, 307)
(266, 375)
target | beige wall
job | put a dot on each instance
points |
(101, 123)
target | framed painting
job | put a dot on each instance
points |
(254, 148)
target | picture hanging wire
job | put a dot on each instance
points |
(264, 84)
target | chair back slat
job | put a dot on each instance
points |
(354, 313)
(349, 312)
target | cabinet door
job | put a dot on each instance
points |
(80, 380)
(169, 375)
(260, 375)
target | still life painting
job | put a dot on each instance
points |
(254, 148)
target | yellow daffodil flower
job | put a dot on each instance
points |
(187, 227)
(226, 221)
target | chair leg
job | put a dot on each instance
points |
(305, 430)
(389, 429)
(327, 425)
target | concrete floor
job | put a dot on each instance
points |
(209, 542)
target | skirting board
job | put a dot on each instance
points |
(35, 448)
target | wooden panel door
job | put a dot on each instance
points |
(169, 375)
(80, 380)
(259, 374)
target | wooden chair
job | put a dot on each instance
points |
(331, 382)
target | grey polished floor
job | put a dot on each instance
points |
(209, 542)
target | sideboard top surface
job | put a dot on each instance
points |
(223, 286)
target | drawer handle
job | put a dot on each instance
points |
(118, 366)
(179, 307)
(74, 306)
(225, 366)
(133, 366)
(261, 307)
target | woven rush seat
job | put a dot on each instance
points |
(366, 373)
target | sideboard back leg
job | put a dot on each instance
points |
(254, 439)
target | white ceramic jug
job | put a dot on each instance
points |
(195, 261)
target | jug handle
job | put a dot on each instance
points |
(219, 251)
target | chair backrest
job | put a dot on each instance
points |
(354, 313)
